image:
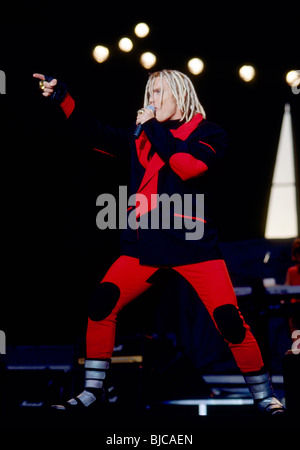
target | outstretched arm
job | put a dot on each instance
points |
(98, 136)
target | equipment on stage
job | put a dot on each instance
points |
(280, 289)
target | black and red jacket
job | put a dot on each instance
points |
(172, 157)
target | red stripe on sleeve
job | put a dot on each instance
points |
(105, 153)
(201, 142)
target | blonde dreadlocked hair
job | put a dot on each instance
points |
(182, 89)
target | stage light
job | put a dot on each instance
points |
(195, 66)
(293, 78)
(247, 73)
(125, 44)
(100, 53)
(141, 30)
(148, 60)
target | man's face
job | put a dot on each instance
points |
(165, 105)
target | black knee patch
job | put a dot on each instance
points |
(230, 324)
(103, 301)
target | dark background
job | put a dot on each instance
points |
(53, 254)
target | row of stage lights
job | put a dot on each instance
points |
(195, 65)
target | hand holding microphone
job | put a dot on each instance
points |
(143, 115)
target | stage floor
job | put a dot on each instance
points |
(229, 407)
(164, 420)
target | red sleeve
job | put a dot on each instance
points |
(187, 166)
(188, 157)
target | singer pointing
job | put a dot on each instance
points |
(176, 152)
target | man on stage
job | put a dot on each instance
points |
(175, 151)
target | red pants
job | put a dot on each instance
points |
(210, 280)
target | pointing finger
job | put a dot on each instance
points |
(40, 76)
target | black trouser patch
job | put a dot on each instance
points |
(103, 301)
(230, 324)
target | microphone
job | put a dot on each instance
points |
(138, 129)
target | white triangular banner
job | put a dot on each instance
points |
(282, 219)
